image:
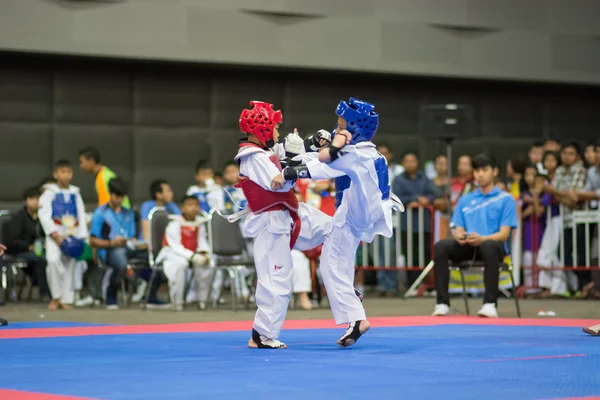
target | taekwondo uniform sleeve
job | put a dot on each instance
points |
(173, 236)
(319, 171)
(279, 149)
(81, 220)
(259, 168)
(215, 198)
(202, 240)
(45, 212)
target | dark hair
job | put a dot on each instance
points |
(574, 145)
(530, 166)
(118, 186)
(410, 153)
(63, 164)
(519, 163)
(90, 153)
(384, 144)
(551, 139)
(156, 187)
(202, 164)
(537, 143)
(483, 160)
(230, 163)
(438, 157)
(551, 154)
(46, 180)
(189, 197)
(33, 191)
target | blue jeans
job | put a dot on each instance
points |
(118, 259)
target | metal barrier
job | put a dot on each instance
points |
(404, 260)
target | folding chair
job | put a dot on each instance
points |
(158, 220)
(10, 265)
(504, 266)
(228, 251)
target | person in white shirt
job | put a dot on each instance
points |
(62, 215)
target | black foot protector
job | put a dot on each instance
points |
(351, 335)
(262, 342)
(358, 294)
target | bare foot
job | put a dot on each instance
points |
(353, 333)
(262, 342)
(304, 301)
(54, 305)
(65, 306)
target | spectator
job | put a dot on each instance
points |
(205, 185)
(162, 196)
(231, 199)
(591, 190)
(90, 162)
(186, 245)
(533, 217)
(482, 223)
(589, 155)
(568, 180)
(515, 168)
(3, 322)
(550, 161)
(442, 182)
(26, 240)
(394, 168)
(414, 190)
(552, 145)
(463, 182)
(62, 216)
(218, 178)
(536, 152)
(113, 233)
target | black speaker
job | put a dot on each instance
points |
(447, 121)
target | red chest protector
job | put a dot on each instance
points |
(189, 237)
(261, 200)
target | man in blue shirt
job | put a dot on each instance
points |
(112, 232)
(482, 222)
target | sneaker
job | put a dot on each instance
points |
(441, 310)
(111, 303)
(202, 305)
(140, 291)
(488, 310)
(178, 307)
(157, 304)
(86, 301)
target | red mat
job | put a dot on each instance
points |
(7, 394)
(291, 324)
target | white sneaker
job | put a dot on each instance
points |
(441, 310)
(178, 307)
(140, 291)
(488, 310)
(86, 301)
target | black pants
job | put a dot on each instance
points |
(490, 253)
(36, 269)
(583, 277)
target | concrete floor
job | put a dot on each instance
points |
(33, 311)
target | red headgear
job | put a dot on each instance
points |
(260, 121)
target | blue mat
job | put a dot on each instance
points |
(446, 362)
(46, 324)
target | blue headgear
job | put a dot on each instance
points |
(72, 247)
(361, 120)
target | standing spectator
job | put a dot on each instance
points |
(394, 168)
(568, 180)
(90, 162)
(205, 186)
(442, 182)
(113, 233)
(482, 223)
(515, 168)
(591, 190)
(589, 155)
(536, 152)
(550, 161)
(533, 217)
(463, 182)
(62, 216)
(552, 145)
(414, 190)
(26, 240)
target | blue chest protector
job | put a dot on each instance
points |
(343, 182)
(62, 206)
(203, 199)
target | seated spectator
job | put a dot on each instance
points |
(185, 246)
(232, 199)
(62, 215)
(90, 162)
(569, 179)
(26, 240)
(205, 185)
(44, 182)
(414, 190)
(162, 196)
(218, 178)
(113, 232)
(482, 223)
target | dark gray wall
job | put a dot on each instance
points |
(156, 120)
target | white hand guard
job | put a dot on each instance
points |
(294, 145)
(323, 134)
